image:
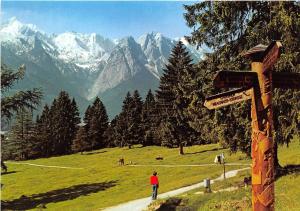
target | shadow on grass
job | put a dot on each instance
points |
(39, 200)
(170, 205)
(288, 169)
(93, 153)
(207, 150)
(8, 172)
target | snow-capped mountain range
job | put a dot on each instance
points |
(87, 65)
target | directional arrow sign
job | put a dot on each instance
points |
(271, 55)
(227, 98)
(231, 79)
(286, 80)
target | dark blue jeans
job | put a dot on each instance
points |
(154, 191)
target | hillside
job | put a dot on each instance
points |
(94, 177)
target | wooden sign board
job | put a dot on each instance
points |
(228, 98)
(271, 55)
(286, 80)
(234, 79)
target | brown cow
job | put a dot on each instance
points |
(121, 162)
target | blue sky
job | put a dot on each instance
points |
(111, 19)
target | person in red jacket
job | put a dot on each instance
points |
(155, 184)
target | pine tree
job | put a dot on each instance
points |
(27, 99)
(87, 117)
(97, 124)
(174, 128)
(80, 143)
(149, 119)
(149, 138)
(75, 119)
(200, 118)
(136, 113)
(120, 132)
(64, 119)
(148, 105)
(125, 122)
(124, 129)
(44, 132)
(110, 134)
(22, 136)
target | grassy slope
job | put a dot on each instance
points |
(286, 189)
(58, 186)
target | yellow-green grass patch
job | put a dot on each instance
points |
(102, 182)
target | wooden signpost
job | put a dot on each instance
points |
(228, 98)
(258, 83)
(225, 79)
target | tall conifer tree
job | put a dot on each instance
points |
(136, 113)
(80, 143)
(149, 119)
(44, 132)
(22, 142)
(97, 124)
(64, 120)
(125, 127)
(110, 134)
(174, 128)
(119, 131)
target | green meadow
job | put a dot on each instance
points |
(102, 182)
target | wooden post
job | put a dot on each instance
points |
(224, 170)
(261, 81)
(180, 149)
(262, 152)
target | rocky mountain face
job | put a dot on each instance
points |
(86, 65)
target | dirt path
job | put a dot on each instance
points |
(39, 165)
(141, 204)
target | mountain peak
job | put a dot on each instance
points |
(126, 41)
(158, 35)
(149, 36)
(14, 27)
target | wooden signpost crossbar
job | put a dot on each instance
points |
(259, 83)
(234, 79)
(228, 98)
(286, 80)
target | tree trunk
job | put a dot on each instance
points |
(277, 166)
(181, 149)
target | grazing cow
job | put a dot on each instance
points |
(132, 163)
(121, 162)
(159, 158)
(3, 166)
(247, 181)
